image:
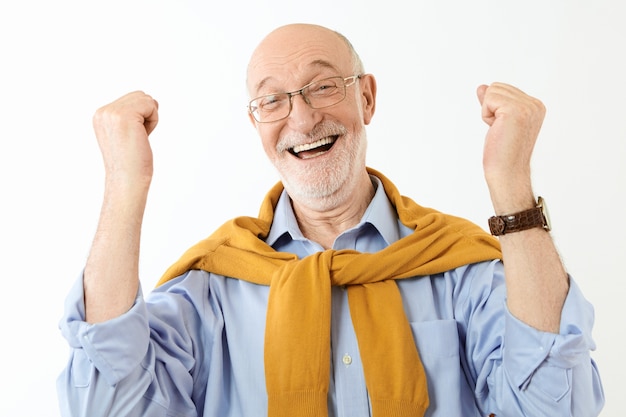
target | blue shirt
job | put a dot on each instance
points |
(194, 347)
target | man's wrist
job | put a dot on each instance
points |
(534, 217)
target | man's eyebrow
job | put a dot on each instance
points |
(322, 63)
(316, 63)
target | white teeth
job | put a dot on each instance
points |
(309, 146)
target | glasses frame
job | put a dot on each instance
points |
(347, 82)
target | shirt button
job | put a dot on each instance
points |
(347, 359)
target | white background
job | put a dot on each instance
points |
(61, 60)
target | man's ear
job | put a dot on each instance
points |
(368, 97)
(251, 118)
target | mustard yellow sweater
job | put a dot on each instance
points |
(297, 335)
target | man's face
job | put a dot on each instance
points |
(317, 152)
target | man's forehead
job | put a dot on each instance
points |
(311, 68)
(280, 58)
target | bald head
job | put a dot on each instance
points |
(298, 49)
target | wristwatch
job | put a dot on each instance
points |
(527, 219)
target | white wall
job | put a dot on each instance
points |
(61, 60)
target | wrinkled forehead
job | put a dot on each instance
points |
(290, 57)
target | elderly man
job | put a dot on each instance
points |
(343, 297)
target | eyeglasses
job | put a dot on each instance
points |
(318, 94)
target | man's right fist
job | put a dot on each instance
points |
(122, 128)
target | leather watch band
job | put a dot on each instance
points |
(527, 219)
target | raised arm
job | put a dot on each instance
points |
(537, 283)
(111, 277)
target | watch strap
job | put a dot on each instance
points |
(527, 219)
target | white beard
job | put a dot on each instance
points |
(322, 186)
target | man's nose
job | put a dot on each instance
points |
(302, 117)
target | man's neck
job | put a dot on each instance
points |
(323, 226)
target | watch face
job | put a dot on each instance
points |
(544, 211)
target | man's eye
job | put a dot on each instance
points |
(271, 102)
(323, 88)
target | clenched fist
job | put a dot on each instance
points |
(122, 128)
(514, 120)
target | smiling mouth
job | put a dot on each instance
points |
(313, 149)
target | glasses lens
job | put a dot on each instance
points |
(270, 108)
(325, 93)
(318, 94)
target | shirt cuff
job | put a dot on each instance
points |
(115, 347)
(526, 349)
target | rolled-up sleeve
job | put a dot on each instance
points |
(521, 371)
(139, 363)
(115, 347)
(547, 369)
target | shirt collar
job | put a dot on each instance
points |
(380, 214)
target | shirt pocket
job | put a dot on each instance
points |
(437, 343)
(436, 339)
